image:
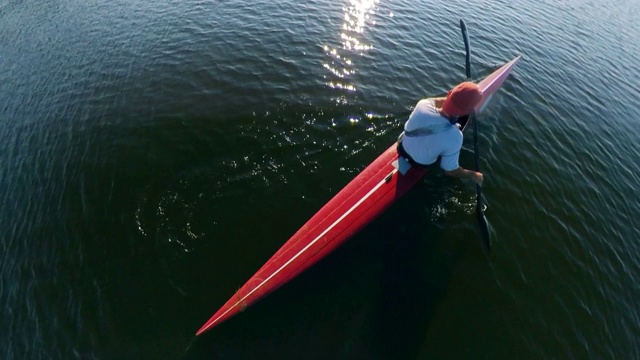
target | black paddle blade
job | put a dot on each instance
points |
(465, 38)
(483, 224)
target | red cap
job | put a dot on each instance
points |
(462, 99)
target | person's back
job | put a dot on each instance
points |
(427, 136)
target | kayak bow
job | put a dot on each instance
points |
(372, 191)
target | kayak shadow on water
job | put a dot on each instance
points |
(419, 262)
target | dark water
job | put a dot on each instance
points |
(154, 154)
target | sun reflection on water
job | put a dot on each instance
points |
(357, 15)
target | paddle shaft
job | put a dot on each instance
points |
(482, 220)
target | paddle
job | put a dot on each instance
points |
(482, 220)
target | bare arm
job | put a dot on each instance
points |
(463, 173)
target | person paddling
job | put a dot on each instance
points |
(431, 132)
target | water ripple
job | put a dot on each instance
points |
(154, 153)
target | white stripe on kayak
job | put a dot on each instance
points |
(309, 245)
(486, 102)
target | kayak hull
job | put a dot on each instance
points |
(363, 199)
(355, 206)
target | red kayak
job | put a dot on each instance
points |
(356, 205)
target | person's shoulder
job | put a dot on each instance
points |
(454, 133)
(427, 102)
(427, 106)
